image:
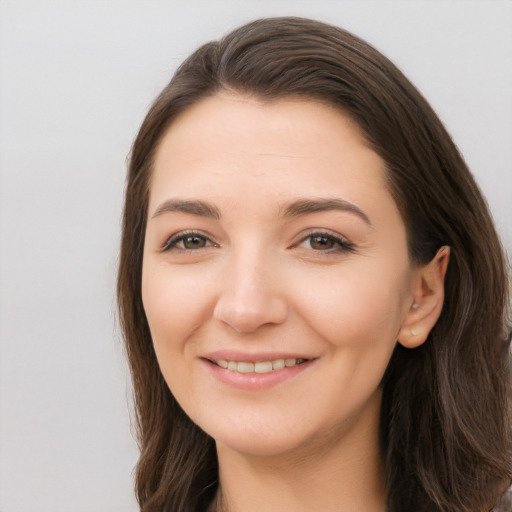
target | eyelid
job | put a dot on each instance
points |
(344, 244)
(171, 241)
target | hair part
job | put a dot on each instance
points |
(445, 419)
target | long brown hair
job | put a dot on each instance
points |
(445, 422)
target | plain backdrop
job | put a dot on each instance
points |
(76, 78)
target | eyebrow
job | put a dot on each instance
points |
(201, 208)
(307, 206)
(294, 209)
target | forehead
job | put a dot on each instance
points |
(295, 124)
(229, 146)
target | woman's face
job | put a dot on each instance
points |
(276, 276)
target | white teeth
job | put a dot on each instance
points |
(264, 367)
(278, 364)
(245, 367)
(258, 367)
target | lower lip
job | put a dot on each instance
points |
(256, 381)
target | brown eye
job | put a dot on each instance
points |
(322, 242)
(193, 242)
(188, 242)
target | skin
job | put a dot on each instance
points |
(334, 286)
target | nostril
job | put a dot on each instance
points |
(247, 316)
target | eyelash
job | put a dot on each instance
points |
(173, 241)
(341, 245)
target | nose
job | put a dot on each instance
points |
(250, 297)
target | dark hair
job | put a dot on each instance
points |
(445, 423)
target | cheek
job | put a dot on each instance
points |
(357, 315)
(359, 307)
(175, 305)
(175, 308)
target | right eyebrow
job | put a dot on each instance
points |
(306, 206)
(193, 207)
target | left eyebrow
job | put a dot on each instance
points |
(200, 208)
(307, 206)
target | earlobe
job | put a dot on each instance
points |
(428, 298)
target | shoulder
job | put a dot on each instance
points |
(504, 502)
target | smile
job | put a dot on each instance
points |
(260, 366)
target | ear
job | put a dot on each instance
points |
(427, 303)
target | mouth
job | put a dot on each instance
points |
(256, 372)
(258, 366)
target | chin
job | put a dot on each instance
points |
(291, 433)
(258, 445)
(255, 437)
(271, 439)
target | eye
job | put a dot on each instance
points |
(188, 241)
(326, 242)
(322, 242)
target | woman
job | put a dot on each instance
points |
(312, 291)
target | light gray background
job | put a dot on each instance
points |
(76, 78)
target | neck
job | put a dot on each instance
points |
(344, 474)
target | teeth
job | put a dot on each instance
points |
(245, 367)
(264, 367)
(259, 367)
(278, 364)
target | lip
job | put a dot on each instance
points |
(246, 357)
(254, 381)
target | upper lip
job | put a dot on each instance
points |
(235, 355)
